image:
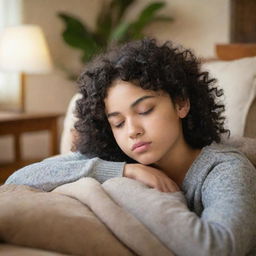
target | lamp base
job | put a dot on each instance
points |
(22, 93)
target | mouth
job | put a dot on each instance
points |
(141, 147)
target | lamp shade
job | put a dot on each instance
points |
(24, 49)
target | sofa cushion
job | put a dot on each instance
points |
(238, 80)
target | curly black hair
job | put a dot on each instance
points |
(154, 67)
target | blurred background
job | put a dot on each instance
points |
(196, 24)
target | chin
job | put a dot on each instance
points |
(145, 160)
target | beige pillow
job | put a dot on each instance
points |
(54, 222)
(14, 250)
(68, 133)
(238, 80)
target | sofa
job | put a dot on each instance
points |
(81, 218)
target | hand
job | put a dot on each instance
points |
(151, 177)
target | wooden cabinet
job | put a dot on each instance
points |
(16, 124)
(242, 21)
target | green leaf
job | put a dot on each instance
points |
(120, 32)
(162, 18)
(120, 7)
(110, 28)
(87, 56)
(76, 34)
(104, 23)
(150, 10)
(109, 18)
(146, 16)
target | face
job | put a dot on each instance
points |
(146, 124)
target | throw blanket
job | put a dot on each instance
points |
(83, 218)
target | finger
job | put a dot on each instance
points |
(165, 187)
(159, 185)
(173, 187)
(176, 186)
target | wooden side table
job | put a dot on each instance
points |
(17, 123)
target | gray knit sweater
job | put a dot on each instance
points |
(220, 187)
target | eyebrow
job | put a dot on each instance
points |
(135, 103)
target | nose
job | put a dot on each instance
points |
(134, 129)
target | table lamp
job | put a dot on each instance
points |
(24, 49)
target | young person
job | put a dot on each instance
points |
(149, 113)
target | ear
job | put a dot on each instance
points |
(182, 107)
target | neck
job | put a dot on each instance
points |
(176, 164)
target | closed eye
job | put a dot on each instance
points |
(119, 125)
(147, 112)
(142, 113)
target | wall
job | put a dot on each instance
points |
(55, 87)
(198, 24)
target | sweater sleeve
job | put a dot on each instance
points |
(226, 225)
(229, 199)
(61, 169)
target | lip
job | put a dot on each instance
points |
(141, 145)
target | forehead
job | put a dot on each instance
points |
(125, 93)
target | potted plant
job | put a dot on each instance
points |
(111, 28)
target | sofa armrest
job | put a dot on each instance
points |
(69, 134)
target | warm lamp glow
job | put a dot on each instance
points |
(24, 49)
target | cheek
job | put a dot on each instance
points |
(165, 127)
(120, 140)
(117, 138)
